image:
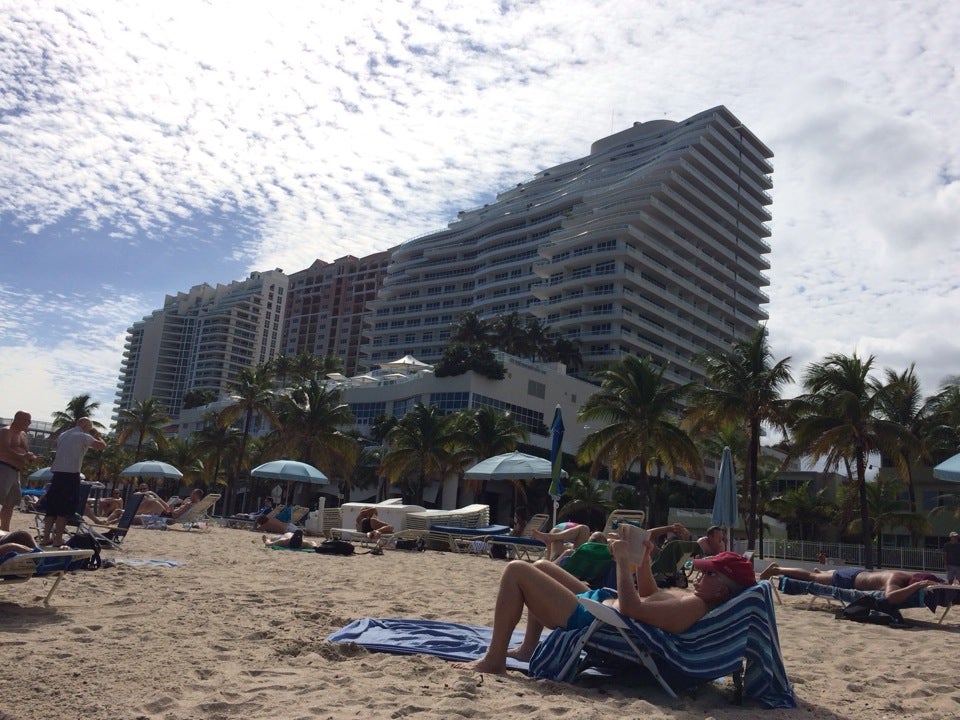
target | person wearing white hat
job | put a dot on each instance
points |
(951, 558)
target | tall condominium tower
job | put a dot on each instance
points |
(327, 305)
(201, 339)
(653, 244)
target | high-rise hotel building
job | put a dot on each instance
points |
(653, 244)
(201, 339)
(327, 307)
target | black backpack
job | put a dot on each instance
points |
(85, 541)
(335, 547)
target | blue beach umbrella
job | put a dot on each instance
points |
(556, 460)
(948, 470)
(290, 470)
(725, 501)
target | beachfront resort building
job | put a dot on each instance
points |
(202, 339)
(327, 307)
(653, 244)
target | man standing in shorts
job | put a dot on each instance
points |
(64, 494)
(14, 454)
(951, 558)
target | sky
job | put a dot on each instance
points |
(147, 147)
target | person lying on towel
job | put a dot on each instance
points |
(551, 596)
(898, 585)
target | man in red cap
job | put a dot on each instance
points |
(551, 597)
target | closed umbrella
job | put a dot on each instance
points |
(556, 460)
(725, 500)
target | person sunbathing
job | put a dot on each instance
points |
(279, 527)
(898, 585)
(551, 598)
(291, 540)
(20, 541)
(153, 504)
(560, 536)
(372, 526)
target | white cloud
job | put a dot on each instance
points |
(189, 138)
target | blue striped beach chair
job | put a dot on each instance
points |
(739, 636)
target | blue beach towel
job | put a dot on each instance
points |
(450, 641)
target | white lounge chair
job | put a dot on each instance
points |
(52, 563)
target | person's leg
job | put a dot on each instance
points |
(20, 537)
(824, 577)
(6, 515)
(47, 527)
(546, 598)
(59, 527)
(379, 527)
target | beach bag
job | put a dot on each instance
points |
(335, 547)
(83, 541)
(412, 544)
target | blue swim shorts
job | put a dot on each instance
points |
(844, 577)
(581, 617)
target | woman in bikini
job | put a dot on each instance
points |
(370, 525)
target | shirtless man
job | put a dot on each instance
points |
(14, 454)
(550, 596)
(898, 585)
(153, 504)
(712, 543)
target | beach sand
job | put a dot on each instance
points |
(238, 631)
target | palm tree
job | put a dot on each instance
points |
(78, 407)
(636, 409)
(311, 418)
(510, 335)
(479, 433)
(184, 455)
(838, 418)
(213, 440)
(418, 450)
(900, 401)
(800, 507)
(470, 330)
(567, 352)
(887, 510)
(743, 385)
(146, 420)
(252, 394)
(586, 499)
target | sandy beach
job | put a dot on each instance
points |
(238, 630)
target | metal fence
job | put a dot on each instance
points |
(923, 559)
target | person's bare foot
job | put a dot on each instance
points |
(521, 653)
(483, 666)
(265, 539)
(541, 536)
(771, 570)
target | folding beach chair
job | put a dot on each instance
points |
(113, 535)
(18, 568)
(742, 630)
(196, 512)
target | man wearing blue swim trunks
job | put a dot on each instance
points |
(898, 585)
(551, 597)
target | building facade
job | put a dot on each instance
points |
(327, 306)
(202, 339)
(654, 244)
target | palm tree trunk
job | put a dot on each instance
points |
(864, 510)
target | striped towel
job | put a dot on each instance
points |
(745, 628)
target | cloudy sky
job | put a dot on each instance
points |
(149, 147)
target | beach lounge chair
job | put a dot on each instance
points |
(112, 536)
(633, 517)
(742, 630)
(198, 511)
(17, 568)
(669, 567)
(522, 546)
(931, 597)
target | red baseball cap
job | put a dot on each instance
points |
(730, 565)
